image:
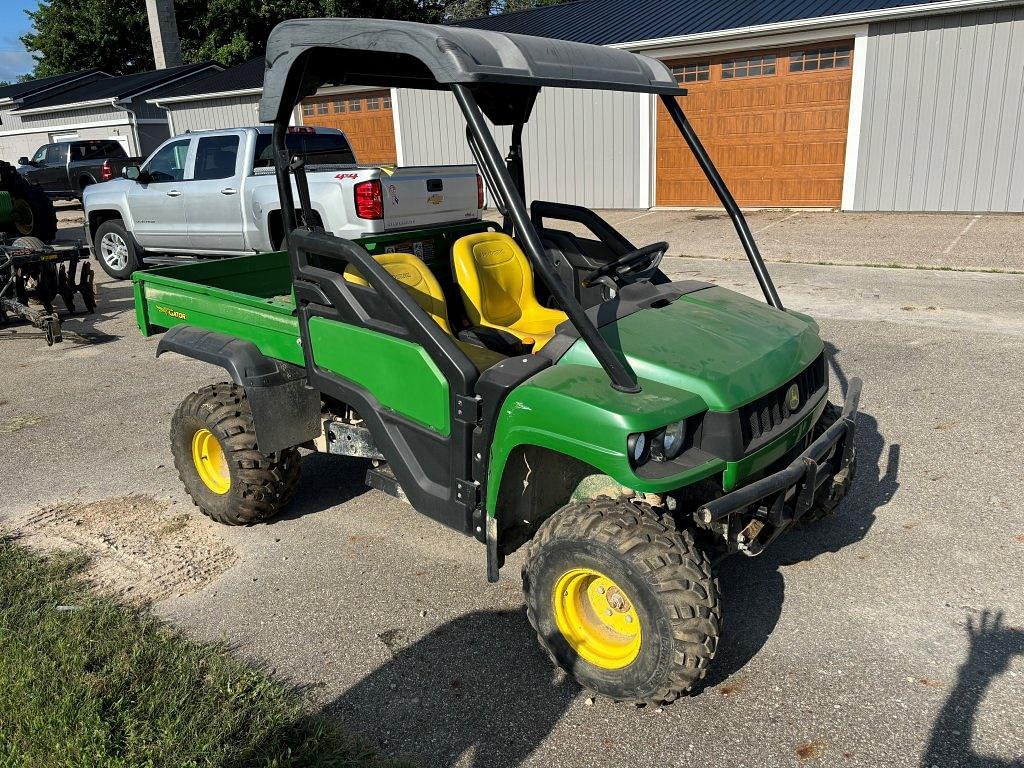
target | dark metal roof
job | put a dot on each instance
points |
(122, 87)
(17, 91)
(603, 22)
(238, 78)
(408, 54)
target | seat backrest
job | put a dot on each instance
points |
(494, 277)
(418, 280)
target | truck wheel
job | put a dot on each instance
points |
(33, 213)
(826, 506)
(115, 250)
(623, 600)
(214, 445)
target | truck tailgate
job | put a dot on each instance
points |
(419, 196)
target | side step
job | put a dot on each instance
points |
(383, 479)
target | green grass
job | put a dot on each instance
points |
(104, 685)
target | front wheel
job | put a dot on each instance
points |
(115, 250)
(623, 600)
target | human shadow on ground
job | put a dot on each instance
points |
(480, 682)
(992, 646)
(753, 589)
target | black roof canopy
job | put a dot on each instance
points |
(404, 54)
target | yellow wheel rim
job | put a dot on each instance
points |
(597, 618)
(22, 216)
(210, 462)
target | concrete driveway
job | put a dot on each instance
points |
(890, 635)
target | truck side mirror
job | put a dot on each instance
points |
(24, 161)
(131, 172)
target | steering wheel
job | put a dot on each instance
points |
(650, 256)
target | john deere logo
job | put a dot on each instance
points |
(793, 397)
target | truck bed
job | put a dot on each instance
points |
(250, 297)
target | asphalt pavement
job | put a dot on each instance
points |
(889, 635)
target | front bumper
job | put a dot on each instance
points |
(823, 471)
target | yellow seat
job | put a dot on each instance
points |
(418, 280)
(496, 283)
(424, 289)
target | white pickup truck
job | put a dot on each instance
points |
(214, 193)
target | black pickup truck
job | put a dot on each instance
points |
(63, 169)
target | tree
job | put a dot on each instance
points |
(113, 35)
(460, 10)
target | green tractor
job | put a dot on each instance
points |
(519, 382)
(25, 210)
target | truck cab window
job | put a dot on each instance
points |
(40, 156)
(216, 157)
(168, 164)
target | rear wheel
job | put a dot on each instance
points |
(214, 445)
(32, 212)
(623, 600)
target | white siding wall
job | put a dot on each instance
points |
(942, 126)
(211, 114)
(582, 147)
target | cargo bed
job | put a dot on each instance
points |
(250, 297)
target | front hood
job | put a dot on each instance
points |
(723, 346)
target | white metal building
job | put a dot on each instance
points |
(888, 105)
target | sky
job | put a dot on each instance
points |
(14, 59)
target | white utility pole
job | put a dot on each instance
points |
(164, 30)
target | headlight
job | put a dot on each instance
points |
(637, 447)
(670, 441)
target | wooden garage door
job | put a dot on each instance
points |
(773, 122)
(365, 118)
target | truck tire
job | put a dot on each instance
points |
(623, 600)
(115, 250)
(224, 472)
(826, 506)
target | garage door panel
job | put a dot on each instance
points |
(365, 117)
(778, 139)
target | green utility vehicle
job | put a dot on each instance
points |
(627, 429)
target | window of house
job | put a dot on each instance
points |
(692, 73)
(386, 102)
(754, 66)
(322, 108)
(339, 106)
(307, 110)
(822, 58)
(373, 102)
(355, 105)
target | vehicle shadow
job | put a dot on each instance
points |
(480, 682)
(992, 646)
(326, 482)
(753, 589)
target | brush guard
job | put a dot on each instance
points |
(825, 469)
(30, 274)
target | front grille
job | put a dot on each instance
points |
(766, 414)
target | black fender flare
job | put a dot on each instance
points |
(285, 409)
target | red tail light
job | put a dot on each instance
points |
(369, 200)
(479, 191)
(107, 171)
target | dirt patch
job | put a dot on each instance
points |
(141, 550)
(809, 750)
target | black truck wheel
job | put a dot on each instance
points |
(115, 249)
(214, 445)
(623, 600)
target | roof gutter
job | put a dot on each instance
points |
(202, 96)
(109, 101)
(861, 17)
